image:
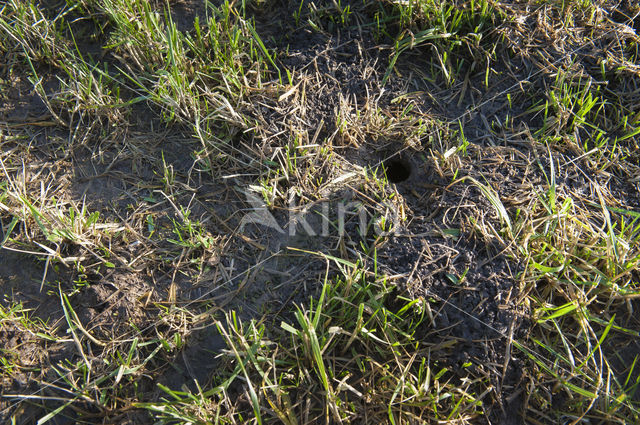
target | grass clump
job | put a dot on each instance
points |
(354, 353)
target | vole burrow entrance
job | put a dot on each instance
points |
(397, 170)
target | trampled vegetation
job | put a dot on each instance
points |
(320, 211)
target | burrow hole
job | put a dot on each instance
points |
(397, 170)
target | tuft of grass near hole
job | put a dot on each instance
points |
(200, 79)
(354, 353)
(459, 34)
(581, 255)
(585, 116)
(202, 73)
(52, 224)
